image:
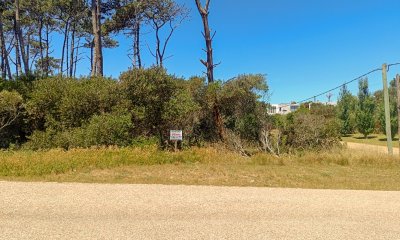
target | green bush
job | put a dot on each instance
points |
(160, 102)
(108, 129)
(66, 103)
(306, 131)
(242, 109)
(11, 117)
(102, 130)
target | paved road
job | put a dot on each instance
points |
(96, 211)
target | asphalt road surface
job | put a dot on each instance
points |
(101, 211)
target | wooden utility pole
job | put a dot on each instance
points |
(398, 105)
(387, 110)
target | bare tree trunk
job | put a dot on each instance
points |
(76, 56)
(41, 46)
(47, 67)
(98, 56)
(99, 45)
(2, 64)
(67, 54)
(134, 59)
(4, 60)
(2, 48)
(18, 69)
(20, 39)
(92, 61)
(28, 40)
(137, 44)
(63, 48)
(209, 64)
(207, 36)
(71, 65)
(159, 58)
(137, 61)
(136, 39)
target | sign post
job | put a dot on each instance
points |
(175, 136)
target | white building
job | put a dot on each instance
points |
(283, 108)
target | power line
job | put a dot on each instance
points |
(344, 84)
(390, 65)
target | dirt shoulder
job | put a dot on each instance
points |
(370, 148)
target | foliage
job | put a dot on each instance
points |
(159, 102)
(380, 109)
(101, 130)
(12, 123)
(65, 103)
(10, 108)
(365, 109)
(346, 111)
(241, 107)
(311, 131)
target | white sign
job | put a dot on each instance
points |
(175, 135)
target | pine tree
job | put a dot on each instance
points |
(365, 109)
(346, 111)
(380, 111)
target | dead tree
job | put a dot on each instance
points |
(209, 64)
(269, 142)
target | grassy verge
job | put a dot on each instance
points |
(373, 139)
(339, 169)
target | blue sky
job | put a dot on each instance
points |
(304, 46)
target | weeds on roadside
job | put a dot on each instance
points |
(58, 161)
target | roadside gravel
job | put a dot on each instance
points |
(101, 211)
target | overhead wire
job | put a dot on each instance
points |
(342, 85)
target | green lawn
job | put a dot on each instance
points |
(373, 139)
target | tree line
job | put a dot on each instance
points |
(27, 28)
(141, 105)
(365, 113)
(43, 105)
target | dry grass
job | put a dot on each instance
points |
(372, 139)
(337, 169)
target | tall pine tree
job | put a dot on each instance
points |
(346, 111)
(365, 109)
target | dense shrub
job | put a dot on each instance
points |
(11, 117)
(101, 130)
(241, 104)
(365, 109)
(23, 85)
(159, 102)
(65, 103)
(146, 103)
(346, 111)
(307, 131)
